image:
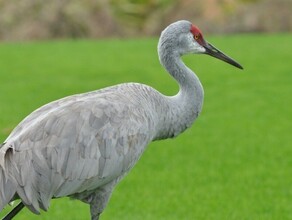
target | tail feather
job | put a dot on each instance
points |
(7, 186)
(15, 179)
(7, 189)
(28, 175)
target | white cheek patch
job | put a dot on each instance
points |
(189, 45)
(201, 49)
(196, 47)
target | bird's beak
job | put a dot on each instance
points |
(214, 52)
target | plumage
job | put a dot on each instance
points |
(82, 145)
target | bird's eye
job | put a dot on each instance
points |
(196, 37)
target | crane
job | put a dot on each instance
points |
(81, 146)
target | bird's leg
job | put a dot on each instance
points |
(98, 202)
(94, 216)
(99, 199)
(94, 211)
(14, 212)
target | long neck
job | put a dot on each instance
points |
(183, 108)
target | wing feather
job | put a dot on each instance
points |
(75, 145)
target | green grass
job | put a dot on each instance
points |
(234, 163)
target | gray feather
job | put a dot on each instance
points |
(81, 146)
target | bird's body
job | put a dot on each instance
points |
(82, 145)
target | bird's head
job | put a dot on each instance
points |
(184, 37)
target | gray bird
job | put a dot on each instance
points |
(81, 146)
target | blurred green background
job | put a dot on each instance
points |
(234, 163)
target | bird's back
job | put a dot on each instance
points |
(77, 144)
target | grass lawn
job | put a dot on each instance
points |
(234, 163)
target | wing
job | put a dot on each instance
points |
(75, 145)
